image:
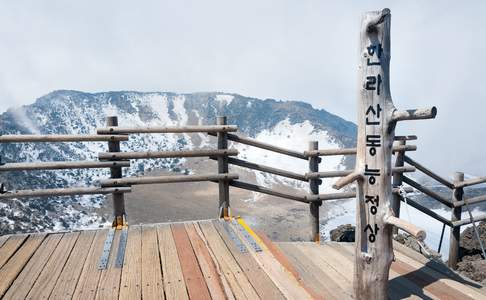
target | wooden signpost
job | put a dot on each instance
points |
(377, 117)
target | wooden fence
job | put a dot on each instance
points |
(117, 185)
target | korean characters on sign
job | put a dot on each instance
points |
(373, 141)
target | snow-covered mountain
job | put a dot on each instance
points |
(289, 124)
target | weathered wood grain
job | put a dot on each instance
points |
(152, 284)
(46, 281)
(131, 280)
(90, 275)
(66, 283)
(10, 271)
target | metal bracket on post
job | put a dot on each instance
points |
(224, 205)
(119, 220)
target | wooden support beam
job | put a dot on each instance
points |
(427, 191)
(473, 200)
(266, 169)
(264, 190)
(314, 190)
(116, 172)
(377, 119)
(166, 154)
(414, 114)
(418, 233)
(342, 173)
(57, 165)
(352, 151)
(455, 235)
(128, 181)
(428, 172)
(459, 223)
(346, 195)
(223, 168)
(167, 129)
(397, 181)
(255, 143)
(63, 192)
(427, 211)
(405, 137)
(469, 182)
(54, 138)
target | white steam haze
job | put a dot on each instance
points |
(289, 50)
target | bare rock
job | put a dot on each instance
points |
(343, 233)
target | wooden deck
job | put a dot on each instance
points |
(203, 260)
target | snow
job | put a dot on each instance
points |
(224, 99)
(294, 137)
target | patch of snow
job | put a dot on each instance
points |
(224, 99)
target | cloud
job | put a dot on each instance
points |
(294, 50)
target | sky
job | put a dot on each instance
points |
(289, 50)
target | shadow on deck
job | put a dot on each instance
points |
(202, 260)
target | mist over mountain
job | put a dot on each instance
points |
(289, 124)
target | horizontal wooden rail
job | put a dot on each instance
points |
(33, 138)
(261, 145)
(266, 169)
(165, 179)
(427, 211)
(63, 192)
(165, 154)
(428, 191)
(469, 182)
(56, 165)
(413, 230)
(469, 221)
(167, 129)
(345, 195)
(330, 196)
(342, 173)
(428, 172)
(264, 190)
(405, 138)
(352, 151)
(473, 200)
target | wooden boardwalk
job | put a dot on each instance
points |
(203, 260)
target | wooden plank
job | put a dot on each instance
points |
(282, 258)
(166, 179)
(3, 239)
(398, 286)
(63, 192)
(285, 280)
(317, 280)
(46, 281)
(10, 271)
(88, 280)
(10, 246)
(341, 274)
(240, 286)
(436, 266)
(152, 284)
(174, 284)
(131, 280)
(260, 281)
(109, 284)
(468, 291)
(217, 284)
(196, 285)
(28, 275)
(66, 283)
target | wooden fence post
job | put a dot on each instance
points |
(396, 182)
(377, 119)
(314, 190)
(224, 202)
(455, 236)
(116, 172)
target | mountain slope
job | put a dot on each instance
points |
(289, 124)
